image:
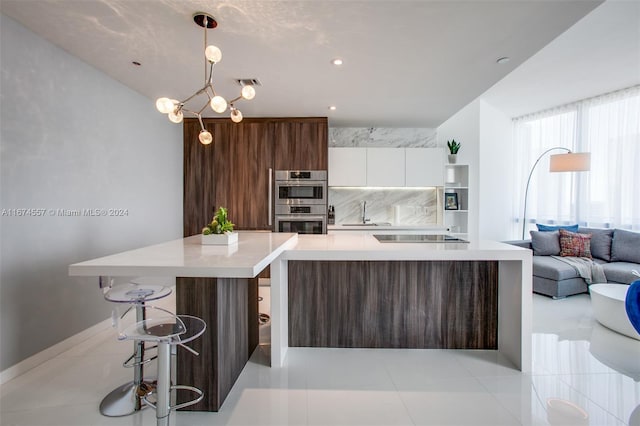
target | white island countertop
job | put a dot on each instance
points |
(188, 258)
(365, 246)
(256, 250)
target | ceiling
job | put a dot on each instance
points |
(406, 63)
(599, 54)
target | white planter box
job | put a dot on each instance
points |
(220, 239)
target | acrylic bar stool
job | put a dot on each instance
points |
(167, 330)
(127, 399)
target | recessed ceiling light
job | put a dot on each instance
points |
(332, 108)
(503, 60)
(337, 61)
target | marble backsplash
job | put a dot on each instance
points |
(382, 137)
(402, 206)
(405, 206)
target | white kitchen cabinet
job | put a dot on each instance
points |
(424, 167)
(385, 167)
(347, 167)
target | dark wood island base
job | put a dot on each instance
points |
(229, 306)
(393, 304)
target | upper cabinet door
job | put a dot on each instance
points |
(244, 175)
(201, 174)
(385, 167)
(347, 167)
(424, 167)
(301, 144)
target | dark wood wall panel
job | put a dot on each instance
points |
(233, 332)
(196, 370)
(199, 175)
(233, 171)
(321, 307)
(242, 175)
(301, 145)
(228, 306)
(393, 304)
(252, 315)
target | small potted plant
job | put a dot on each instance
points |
(453, 150)
(220, 230)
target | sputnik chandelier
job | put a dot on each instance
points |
(176, 109)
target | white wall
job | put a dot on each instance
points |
(73, 138)
(496, 168)
(464, 127)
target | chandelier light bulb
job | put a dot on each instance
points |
(248, 92)
(213, 54)
(205, 137)
(176, 116)
(218, 104)
(165, 105)
(236, 115)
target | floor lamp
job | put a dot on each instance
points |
(569, 162)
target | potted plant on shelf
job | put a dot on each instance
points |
(220, 230)
(453, 150)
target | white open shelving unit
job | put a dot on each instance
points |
(456, 181)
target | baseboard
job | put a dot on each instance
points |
(52, 351)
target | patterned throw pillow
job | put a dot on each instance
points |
(574, 244)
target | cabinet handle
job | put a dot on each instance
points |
(270, 195)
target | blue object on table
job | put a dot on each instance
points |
(632, 304)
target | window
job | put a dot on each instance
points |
(608, 126)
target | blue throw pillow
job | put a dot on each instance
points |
(551, 228)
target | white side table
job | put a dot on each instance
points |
(607, 301)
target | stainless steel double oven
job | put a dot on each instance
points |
(300, 200)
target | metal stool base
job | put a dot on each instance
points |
(124, 400)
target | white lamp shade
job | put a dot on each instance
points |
(218, 104)
(248, 92)
(213, 54)
(570, 162)
(176, 117)
(165, 105)
(236, 115)
(205, 137)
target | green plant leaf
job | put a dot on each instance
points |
(220, 222)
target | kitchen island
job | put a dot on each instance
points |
(217, 284)
(484, 281)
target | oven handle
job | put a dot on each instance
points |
(300, 217)
(270, 195)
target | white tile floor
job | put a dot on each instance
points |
(583, 374)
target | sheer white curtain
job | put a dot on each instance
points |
(611, 132)
(608, 126)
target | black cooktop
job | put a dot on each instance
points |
(421, 238)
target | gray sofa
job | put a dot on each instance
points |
(618, 251)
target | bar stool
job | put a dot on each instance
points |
(127, 399)
(167, 330)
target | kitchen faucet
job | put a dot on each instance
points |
(364, 213)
